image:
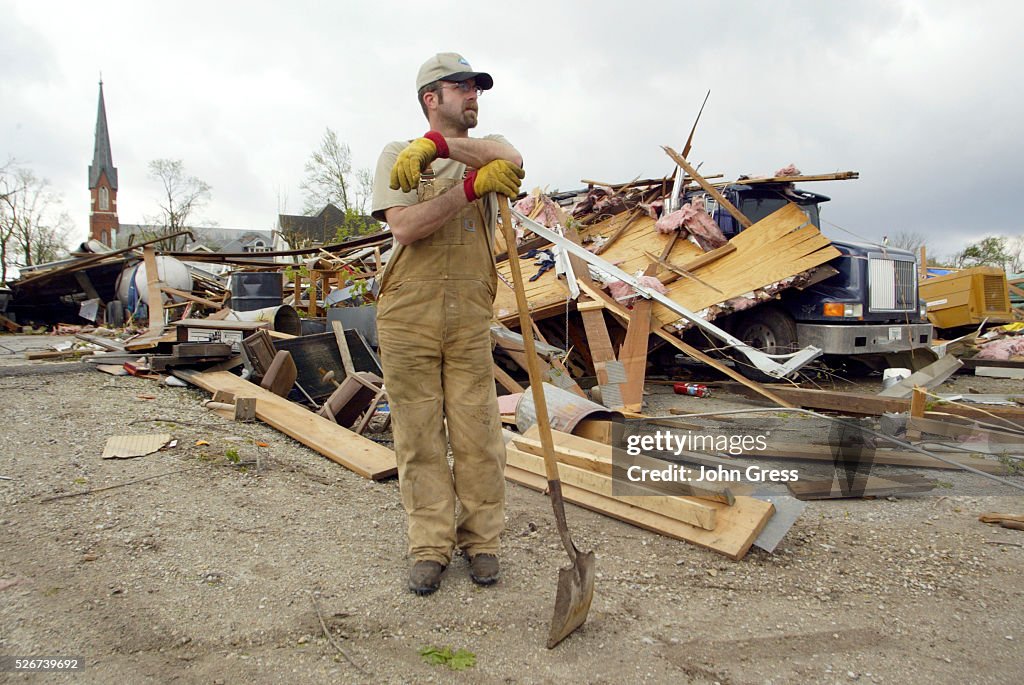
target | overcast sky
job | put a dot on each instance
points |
(917, 96)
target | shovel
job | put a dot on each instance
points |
(575, 582)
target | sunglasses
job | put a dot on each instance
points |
(464, 86)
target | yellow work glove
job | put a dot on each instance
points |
(499, 176)
(417, 156)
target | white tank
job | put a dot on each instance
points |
(173, 274)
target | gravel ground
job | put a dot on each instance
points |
(216, 572)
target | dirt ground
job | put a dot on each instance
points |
(213, 571)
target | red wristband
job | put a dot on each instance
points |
(439, 142)
(467, 186)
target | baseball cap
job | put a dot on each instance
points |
(451, 66)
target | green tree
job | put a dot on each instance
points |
(989, 251)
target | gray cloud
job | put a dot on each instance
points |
(917, 96)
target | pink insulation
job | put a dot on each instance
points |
(694, 217)
(1002, 349)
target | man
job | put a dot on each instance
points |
(438, 194)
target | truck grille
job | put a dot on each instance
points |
(892, 285)
(996, 299)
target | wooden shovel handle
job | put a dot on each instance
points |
(536, 382)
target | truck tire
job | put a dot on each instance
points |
(767, 329)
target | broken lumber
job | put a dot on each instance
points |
(881, 457)
(599, 458)
(692, 511)
(736, 526)
(342, 446)
(872, 486)
(620, 311)
(864, 404)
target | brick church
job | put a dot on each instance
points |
(103, 223)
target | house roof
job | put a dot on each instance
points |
(322, 227)
(210, 238)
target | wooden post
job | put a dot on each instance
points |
(311, 310)
(917, 407)
(156, 298)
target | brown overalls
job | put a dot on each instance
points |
(433, 321)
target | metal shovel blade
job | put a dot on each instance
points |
(573, 597)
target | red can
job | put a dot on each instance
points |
(694, 389)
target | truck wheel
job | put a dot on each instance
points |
(767, 329)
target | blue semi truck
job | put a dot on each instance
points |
(867, 311)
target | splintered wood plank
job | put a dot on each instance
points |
(633, 355)
(340, 445)
(737, 526)
(699, 513)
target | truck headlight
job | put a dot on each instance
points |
(847, 311)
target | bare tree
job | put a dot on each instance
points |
(34, 227)
(909, 240)
(331, 179)
(182, 196)
(1015, 248)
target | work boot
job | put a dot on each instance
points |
(425, 577)
(483, 569)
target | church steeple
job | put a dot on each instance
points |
(103, 222)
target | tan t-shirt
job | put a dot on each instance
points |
(385, 198)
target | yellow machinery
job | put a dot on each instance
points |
(967, 297)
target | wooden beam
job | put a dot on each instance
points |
(189, 296)
(59, 354)
(341, 446)
(708, 188)
(701, 514)
(9, 325)
(156, 299)
(737, 526)
(506, 381)
(635, 214)
(863, 404)
(678, 271)
(599, 457)
(346, 354)
(710, 257)
(882, 457)
(872, 486)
